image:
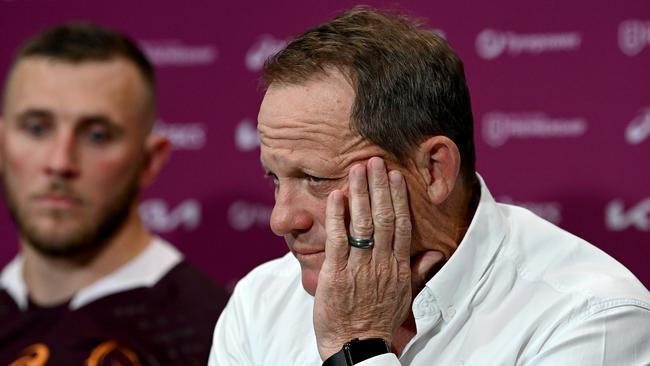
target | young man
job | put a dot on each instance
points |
(91, 285)
(357, 110)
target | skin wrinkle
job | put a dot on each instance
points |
(352, 151)
(295, 137)
(352, 140)
(301, 131)
(310, 135)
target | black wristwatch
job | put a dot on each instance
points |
(357, 350)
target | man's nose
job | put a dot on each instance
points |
(290, 212)
(62, 156)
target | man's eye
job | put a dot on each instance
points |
(36, 129)
(98, 136)
(316, 180)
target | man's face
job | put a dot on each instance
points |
(71, 147)
(307, 148)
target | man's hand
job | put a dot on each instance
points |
(365, 293)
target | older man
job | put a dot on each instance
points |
(399, 254)
(91, 284)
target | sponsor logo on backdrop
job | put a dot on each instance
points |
(491, 43)
(633, 36)
(183, 136)
(246, 137)
(177, 53)
(638, 130)
(265, 47)
(244, 215)
(161, 218)
(618, 218)
(499, 127)
(551, 211)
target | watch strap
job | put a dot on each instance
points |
(338, 359)
(356, 351)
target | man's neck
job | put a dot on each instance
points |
(403, 335)
(51, 281)
(458, 216)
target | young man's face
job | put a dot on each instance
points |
(71, 150)
(307, 148)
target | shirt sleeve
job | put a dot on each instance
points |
(231, 341)
(616, 336)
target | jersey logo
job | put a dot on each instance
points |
(114, 354)
(34, 355)
(107, 353)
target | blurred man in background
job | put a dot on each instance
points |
(91, 285)
(356, 111)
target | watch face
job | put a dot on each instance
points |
(360, 350)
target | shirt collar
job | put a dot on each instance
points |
(473, 257)
(144, 270)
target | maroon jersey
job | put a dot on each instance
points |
(169, 323)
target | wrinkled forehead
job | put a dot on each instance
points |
(315, 113)
(310, 123)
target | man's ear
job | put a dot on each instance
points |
(156, 149)
(439, 165)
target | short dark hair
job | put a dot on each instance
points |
(409, 83)
(80, 41)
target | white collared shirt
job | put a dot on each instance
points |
(517, 291)
(144, 270)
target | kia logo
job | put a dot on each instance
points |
(619, 219)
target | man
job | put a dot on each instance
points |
(91, 285)
(357, 110)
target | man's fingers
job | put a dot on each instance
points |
(336, 247)
(399, 195)
(383, 214)
(361, 225)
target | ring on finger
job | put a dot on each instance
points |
(361, 243)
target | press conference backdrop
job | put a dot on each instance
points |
(560, 92)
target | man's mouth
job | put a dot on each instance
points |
(306, 251)
(57, 200)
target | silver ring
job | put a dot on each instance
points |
(361, 243)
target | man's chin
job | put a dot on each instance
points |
(67, 240)
(310, 265)
(309, 281)
(63, 247)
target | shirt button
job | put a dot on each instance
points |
(451, 311)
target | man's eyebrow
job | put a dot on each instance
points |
(35, 113)
(99, 120)
(96, 119)
(84, 120)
